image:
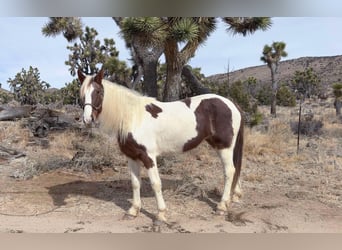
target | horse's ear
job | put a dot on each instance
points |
(81, 77)
(99, 76)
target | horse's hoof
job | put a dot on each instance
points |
(128, 217)
(157, 225)
(219, 212)
(157, 222)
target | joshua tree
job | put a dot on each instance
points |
(178, 38)
(272, 56)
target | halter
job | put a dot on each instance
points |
(92, 106)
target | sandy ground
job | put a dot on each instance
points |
(64, 201)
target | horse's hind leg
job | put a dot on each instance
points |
(226, 156)
(237, 192)
(134, 167)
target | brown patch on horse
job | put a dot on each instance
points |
(187, 101)
(81, 77)
(214, 124)
(135, 151)
(97, 99)
(153, 110)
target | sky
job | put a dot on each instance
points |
(22, 45)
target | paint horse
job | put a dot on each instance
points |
(146, 128)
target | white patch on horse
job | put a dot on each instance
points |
(87, 114)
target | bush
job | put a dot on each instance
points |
(256, 119)
(264, 96)
(307, 127)
(5, 97)
(285, 97)
(239, 92)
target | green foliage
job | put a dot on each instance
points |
(89, 53)
(337, 89)
(272, 54)
(51, 96)
(185, 30)
(70, 93)
(246, 25)
(28, 87)
(149, 30)
(306, 82)
(285, 97)
(256, 118)
(263, 95)
(238, 92)
(5, 97)
(70, 27)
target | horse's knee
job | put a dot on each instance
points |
(156, 186)
(135, 184)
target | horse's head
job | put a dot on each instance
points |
(91, 94)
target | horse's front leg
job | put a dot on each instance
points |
(156, 184)
(134, 168)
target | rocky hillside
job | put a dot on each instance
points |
(328, 68)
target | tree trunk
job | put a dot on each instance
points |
(172, 84)
(274, 90)
(173, 71)
(150, 86)
(145, 57)
(195, 85)
(338, 106)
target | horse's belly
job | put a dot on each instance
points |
(175, 134)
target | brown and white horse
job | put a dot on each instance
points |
(146, 128)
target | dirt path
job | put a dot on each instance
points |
(63, 202)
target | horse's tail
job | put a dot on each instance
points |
(237, 155)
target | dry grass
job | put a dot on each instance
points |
(13, 135)
(275, 148)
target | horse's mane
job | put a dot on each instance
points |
(122, 109)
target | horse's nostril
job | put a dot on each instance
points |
(87, 120)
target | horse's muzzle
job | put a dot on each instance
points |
(88, 121)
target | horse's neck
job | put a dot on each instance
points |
(122, 109)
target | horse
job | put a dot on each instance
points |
(146, 128)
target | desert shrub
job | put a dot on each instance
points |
(307, 83)
(256, 119)
(27, 86)
(307, 127)
(264, 95)
(51, 97)
(337, 89)
(285, 97)
(239, 93)
(5, 97)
